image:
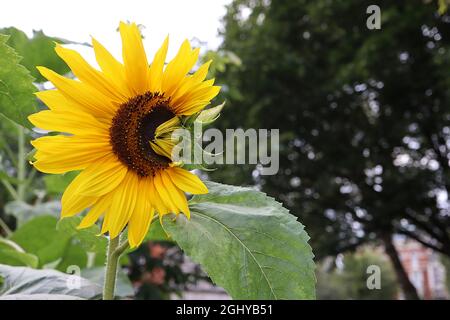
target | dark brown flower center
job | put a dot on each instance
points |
(132, 129)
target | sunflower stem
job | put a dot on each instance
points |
(115, 250)
(112, 260)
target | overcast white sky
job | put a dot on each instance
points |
(77, 20)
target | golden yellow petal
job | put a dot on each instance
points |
(72, 202)
(102, 176)
(99, 208)
(67, 121)
(112, 68)
(190, 83)
(59, 154)
(54, 100)
(87, 74)
(134, 58)
(176, 195)
(123, 204)
(164, 194)
(195, 100)
(157, 202)
(186, 181)
(93, 101)
(177, 69)
(142, 215)
(155, 72)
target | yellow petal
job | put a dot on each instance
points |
(134, 58)
(178, 68)
(164, 194)
(123, 204)
(87, 74)
(168, 126)
(176, 195)
(72, 202)
(142, 215)
(163, 147)
(102, 176)
(139, 226)
(59, 154)
(68, 121)
(99, 208)
(57, 102)
(93, 101)
(157, 202)
(196, 100)
(112, 68)
(187, 181)
(155, 72)
(190, 83)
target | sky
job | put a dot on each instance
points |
(81, 19)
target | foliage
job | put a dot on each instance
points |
(264, 247)
(363, 115)
(36, 51)
(16, 98)
(349, 281)
(27, 282)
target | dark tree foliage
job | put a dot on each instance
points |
(363, 114)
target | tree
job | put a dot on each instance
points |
(363, 115)
(349, 281)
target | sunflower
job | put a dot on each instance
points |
(115, 124)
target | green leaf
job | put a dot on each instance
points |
(89, 238)
(56, 183)
(40, 237)
(74, 255)
(16, 86)
(12, 254)
(37, 51)
(27, 281)
(156, 233)
(247, 243)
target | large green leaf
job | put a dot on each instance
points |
(36, 51)
(156, 233)
(89, 238)
(16, 86)
(73, 255)
(21, 282)
(247, 243)
(40, 237)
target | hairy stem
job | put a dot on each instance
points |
(115, 250)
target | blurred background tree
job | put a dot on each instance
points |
(363, 116)
(348, 279)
